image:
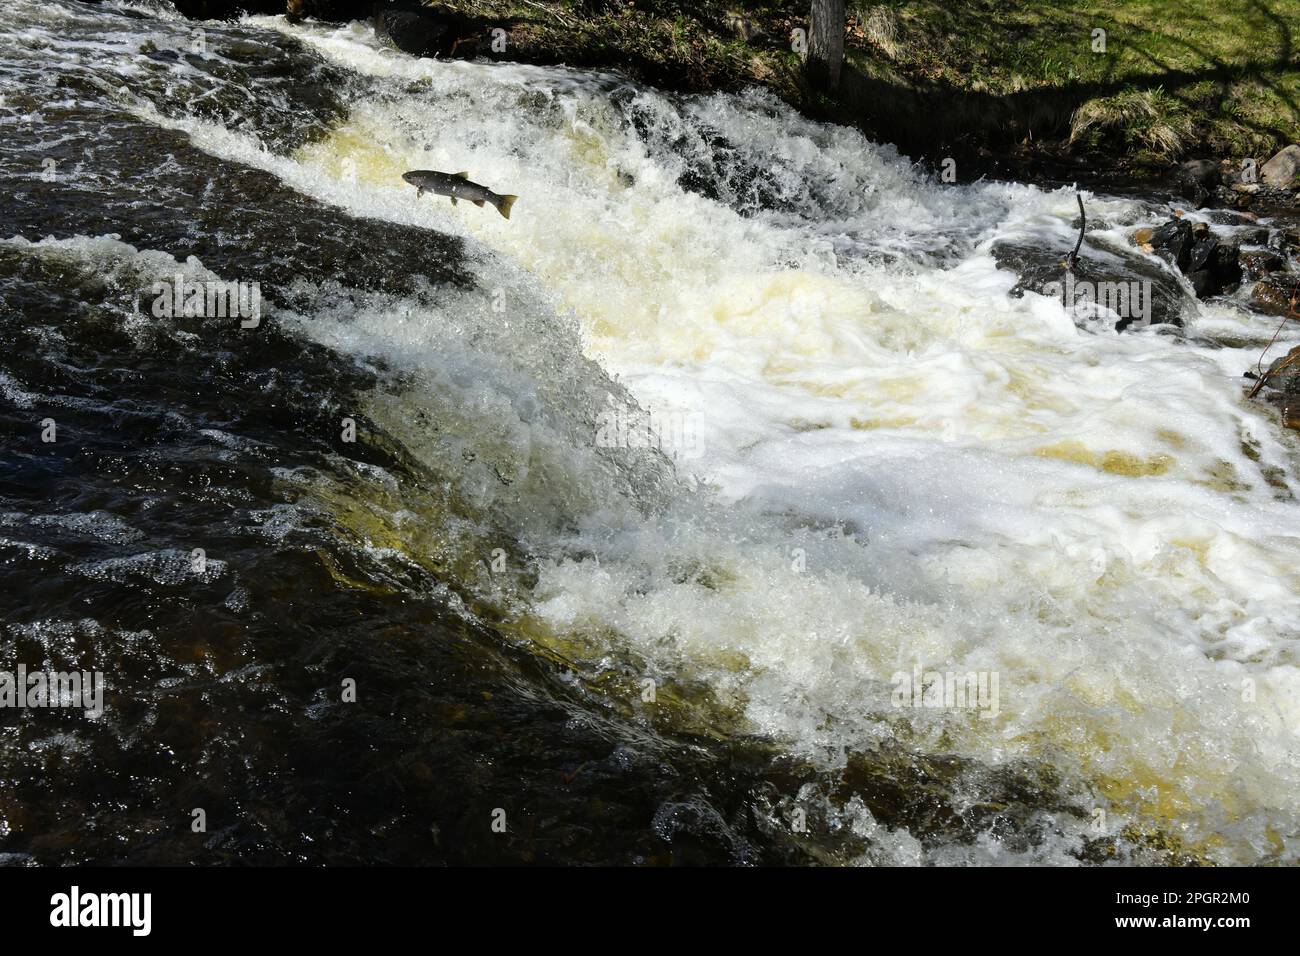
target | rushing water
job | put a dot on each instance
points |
(877, 455)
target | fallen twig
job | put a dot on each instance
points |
(564, 20)
(1292, 313)
(1083, 224)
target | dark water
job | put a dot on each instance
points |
(224, 688)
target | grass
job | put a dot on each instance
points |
(1176, 78)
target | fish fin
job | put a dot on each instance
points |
(453, 200)
(504, 204)
(418, 192)
(477, 202)
(461, 175)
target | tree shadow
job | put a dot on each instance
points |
(926, 118)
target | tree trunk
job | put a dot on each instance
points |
(825, 44)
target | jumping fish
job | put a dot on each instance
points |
(457, 186)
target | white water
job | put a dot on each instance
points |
(901, 463)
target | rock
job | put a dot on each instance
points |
(1038, 267)
(1227, 266)
(1260, 262)
(1282, 170)
(1196, 180)
(225, 9)
(1173, 240)
(1284, 373)
(1142, 239)
(332, 11)
(424, 31)
(1211, 265)
(1203, 283)
(1230, 217)
(1204, 246)
(1253, 237)
(1273, 295)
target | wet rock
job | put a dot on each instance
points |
(1038, 268)
(1256, 263)
(1230, 217)
(1227, 265)
(424, 31)
(1283, 170)
(1203, 249)
(337, 11)
(1284, 373)
(1173, 241)
(1142, 238)
(1203, 283)
(225, 9)
(1253, 237)
(1196, 180)
(1210, 264)
(1273, 293)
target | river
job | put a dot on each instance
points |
(632, 520)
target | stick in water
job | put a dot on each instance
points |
(1083, 223)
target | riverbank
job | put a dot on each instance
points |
(1110, 84)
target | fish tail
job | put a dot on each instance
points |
(504, 204)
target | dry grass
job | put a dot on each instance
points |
(1136, 120)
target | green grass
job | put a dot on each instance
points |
(1177, 78)
(1224, 73)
